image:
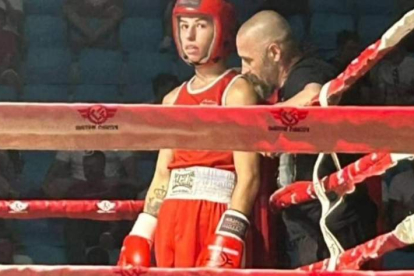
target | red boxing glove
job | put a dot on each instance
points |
(225, 249)
(136, 249)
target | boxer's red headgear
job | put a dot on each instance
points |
(224, 18)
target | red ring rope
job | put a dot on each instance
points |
(79, 209)
(32, 270)
(341, 182)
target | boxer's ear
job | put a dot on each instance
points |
(274, 52)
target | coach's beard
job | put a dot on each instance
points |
(262, 89)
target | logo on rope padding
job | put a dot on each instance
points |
(290, 118)
(106, 207)
(97, 115)
(18, 207)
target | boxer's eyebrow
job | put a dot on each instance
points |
(180, 20)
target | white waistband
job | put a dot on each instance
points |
(201, 183)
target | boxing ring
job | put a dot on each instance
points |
(384, 134)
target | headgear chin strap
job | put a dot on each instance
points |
(223, 15)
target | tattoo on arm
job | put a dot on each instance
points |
(153, 204)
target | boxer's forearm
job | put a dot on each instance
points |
(248, 182)
(244, 195)
(155, 196)
(159, 184)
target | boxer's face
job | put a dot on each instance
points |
(196, 35)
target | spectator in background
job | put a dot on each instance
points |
(286, 7)
(89, 241)
(96, 184)
(9, 171)
(68, 170)
(9, 53)
(6, 251)
(8, 254)
(8, 177)
(15, 15)
(93, 23)
(393, 78)
(401, 200)
(405, 6)
(167, 42)
(162, 84)
(97, 256)
(401, 196)
(349, 47)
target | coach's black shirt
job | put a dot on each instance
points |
(303, 220)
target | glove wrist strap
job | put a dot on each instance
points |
(145, 226)
(233, 224)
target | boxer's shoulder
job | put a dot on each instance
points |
(241, 91)
(170, 98)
